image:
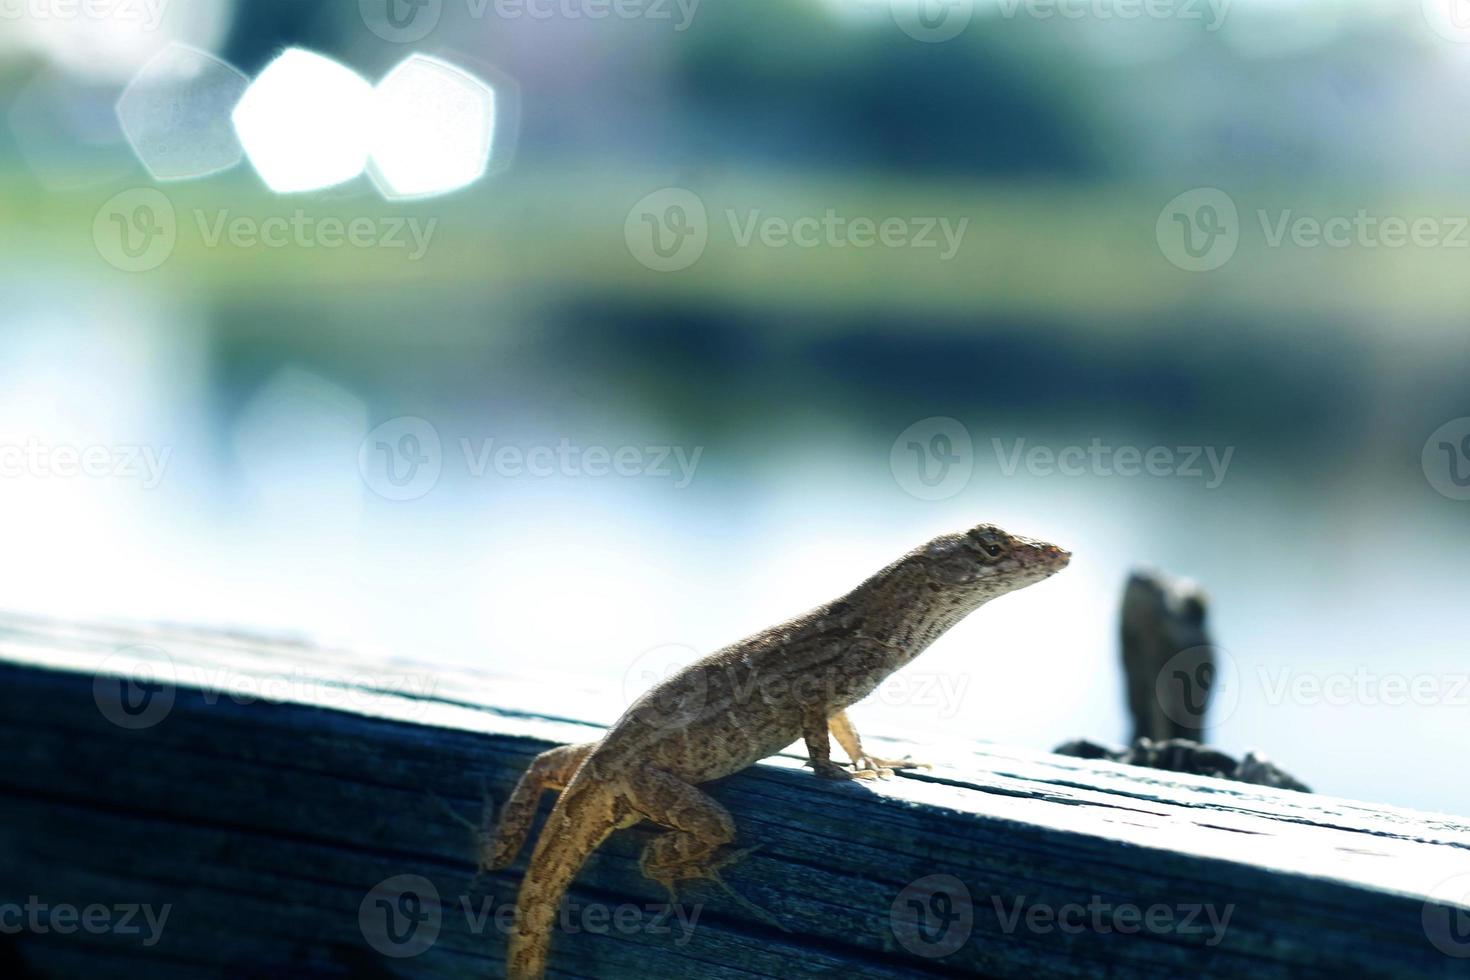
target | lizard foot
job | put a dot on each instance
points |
(484, 839)
(659, 865)
(664, 862)
(828, 769)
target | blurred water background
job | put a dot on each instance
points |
(254, 373)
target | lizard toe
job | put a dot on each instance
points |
(907, 762)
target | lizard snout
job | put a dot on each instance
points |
(1050, 554)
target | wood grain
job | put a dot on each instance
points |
(265, 824)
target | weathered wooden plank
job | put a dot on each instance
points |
(265, 827)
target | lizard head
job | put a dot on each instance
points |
(990, 561)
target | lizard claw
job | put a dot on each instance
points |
(882, 772)
(713, 874)
(907, 762)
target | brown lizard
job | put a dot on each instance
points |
(735, 707)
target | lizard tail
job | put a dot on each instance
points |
(572, 832)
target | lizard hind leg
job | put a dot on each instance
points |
(695, 845)
(551, 770)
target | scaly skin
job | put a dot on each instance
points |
(735, 707)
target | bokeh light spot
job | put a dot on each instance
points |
(433, 126)
(304, 122)
(176, 113)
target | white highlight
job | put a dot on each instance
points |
(304, 122)
(307, 122)
(433, 125)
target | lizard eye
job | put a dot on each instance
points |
(992, 549)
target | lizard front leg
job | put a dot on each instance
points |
(818, 740)
(847, 737)
(552, 769)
